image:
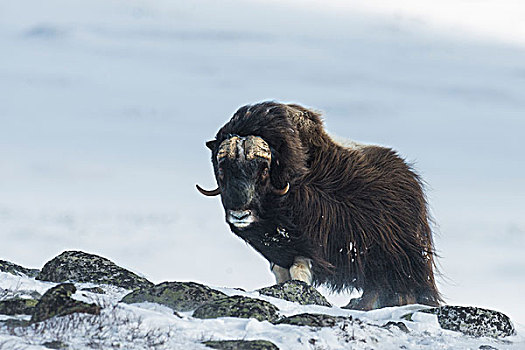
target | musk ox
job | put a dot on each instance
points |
(351, 216)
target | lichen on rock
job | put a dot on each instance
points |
(17, 306)
(77, 266)
(14, 269)
(55, 344)
(297, 292)
(473, 321)
(313, 320)
(400, 325)
(241, 345)
(58, 302)
(180, 296)
(238, 306)
(95, 290)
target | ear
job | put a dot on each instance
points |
(211, 144)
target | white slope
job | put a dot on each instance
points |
(499, 21)
(105, 106)
(153, 326)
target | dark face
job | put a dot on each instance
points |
(242, 169)
(244, 183)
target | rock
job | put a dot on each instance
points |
(55, 344)
(313, 320)
(399, 325)
(14, 269)
(180, 296)
(297, 292)
(14, 323)
(353, 304)
(78, 266)
(96, 290)
(407, 317)
(19, 293)
(473, 321)
(58, 302)
(17, 306)
(238, 306)
(34, 294)
(241, 345)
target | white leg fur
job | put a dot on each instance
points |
(281, 274)
(302, 270)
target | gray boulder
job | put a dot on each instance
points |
(57, 301)
(238, 306)
(473, 321)
(55, 344)
(17, 306)
(77, 266)
(180, 296)
(400, 325)
(313, 320)
(297, 292)
(14, 269)
(241, 345)
(95, 290)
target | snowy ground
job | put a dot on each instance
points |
(105, 107)
(153, 326)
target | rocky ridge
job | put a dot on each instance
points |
(96, 276)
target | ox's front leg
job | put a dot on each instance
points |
(281, 274)
(302, 270)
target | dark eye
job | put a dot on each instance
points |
(265, 173)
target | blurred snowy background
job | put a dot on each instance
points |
(105, 107)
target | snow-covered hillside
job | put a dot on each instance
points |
(167, 317)
(105, 106)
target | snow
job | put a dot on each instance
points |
(477, 20)
(149, 325)
(105, 107)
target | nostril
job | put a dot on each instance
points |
(240, 214)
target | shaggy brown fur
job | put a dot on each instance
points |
(359, 213)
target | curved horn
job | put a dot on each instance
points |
(212, 193)
(283, 191)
